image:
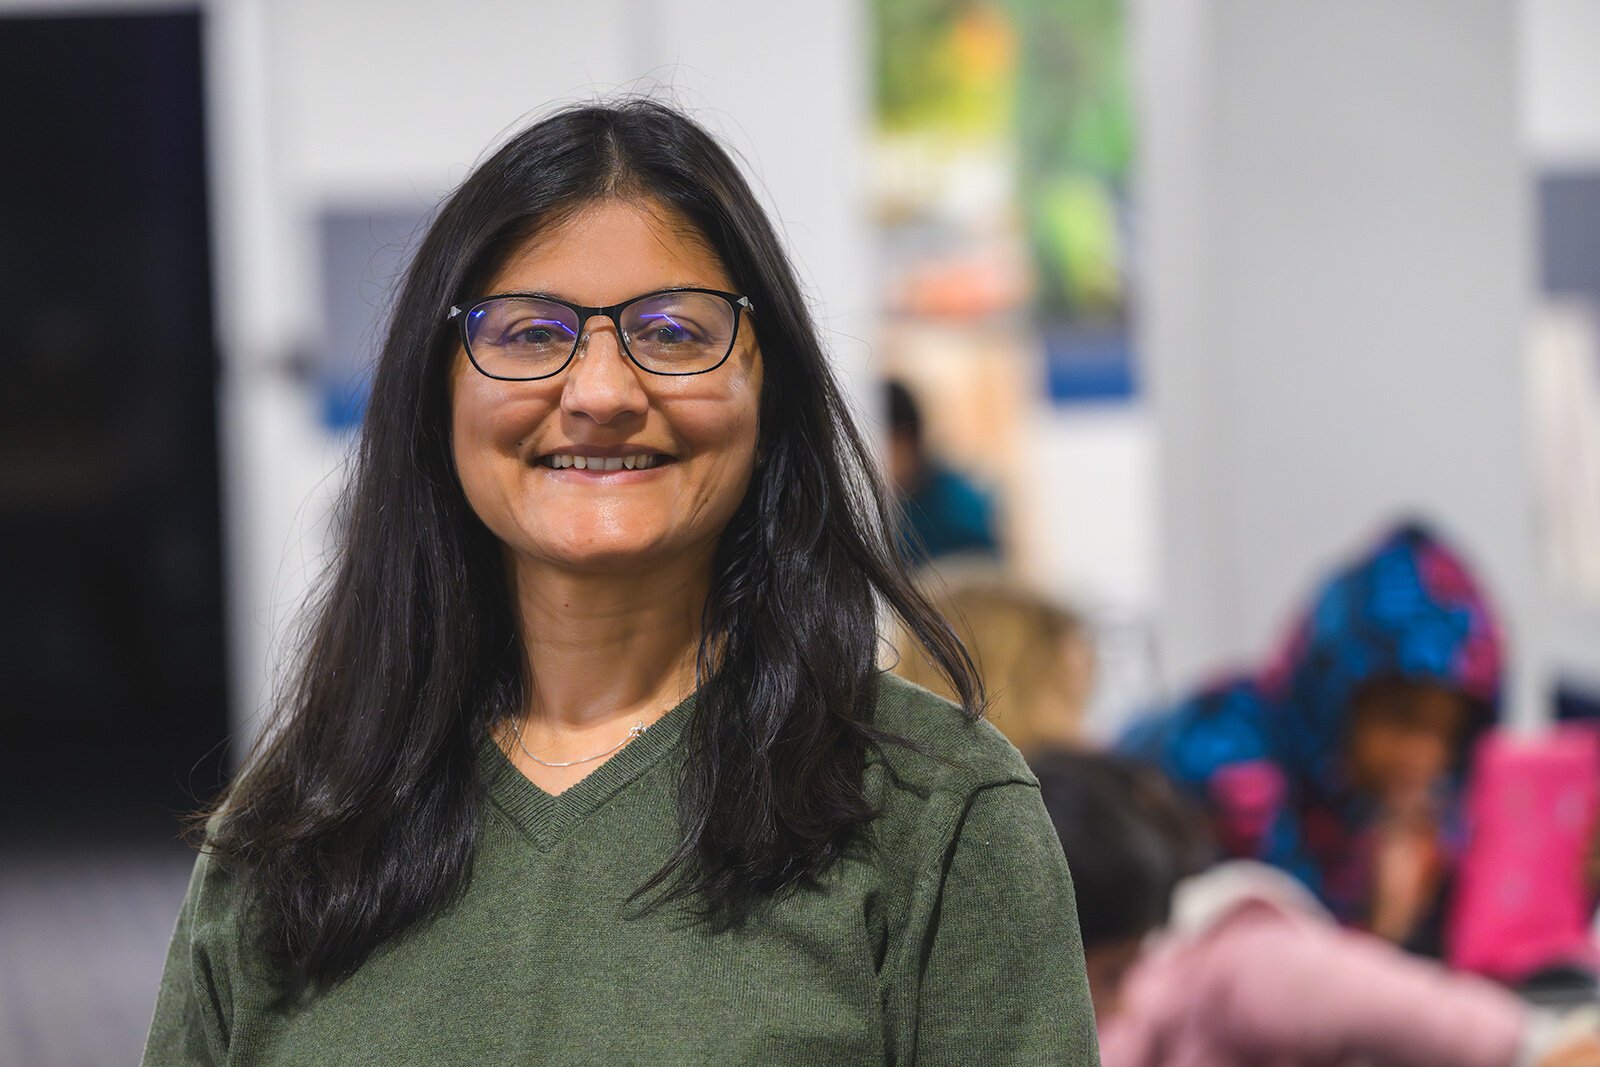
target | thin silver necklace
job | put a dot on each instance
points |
(633, 731)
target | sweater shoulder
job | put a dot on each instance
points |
(939, 749)
(216, 887)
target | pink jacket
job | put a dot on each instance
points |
(1253, 973)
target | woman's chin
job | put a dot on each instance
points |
(610, 553)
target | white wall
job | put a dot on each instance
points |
(1560, 77)
(1560, 81)
(390, 102)
(1336, 293)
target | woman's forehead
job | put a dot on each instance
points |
(609, 250)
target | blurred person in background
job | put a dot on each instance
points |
(943, 513)
(1035, 657)
(589, 759)
(1340, 763)
(1197, 966)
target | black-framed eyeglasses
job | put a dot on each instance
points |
(522, 337)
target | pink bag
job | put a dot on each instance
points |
(1520, 903)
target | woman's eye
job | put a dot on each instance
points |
(538, 334)
(663, 329)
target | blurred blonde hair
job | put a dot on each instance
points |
(1034, 657)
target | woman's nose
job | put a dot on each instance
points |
(602, 383)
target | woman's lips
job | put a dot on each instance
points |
(595, 463)
(592, 464)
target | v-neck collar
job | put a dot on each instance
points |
(547, 818)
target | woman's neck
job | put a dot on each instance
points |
(606, 648)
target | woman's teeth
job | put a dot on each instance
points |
(602, 463)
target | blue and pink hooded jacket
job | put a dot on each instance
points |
(1265, 752)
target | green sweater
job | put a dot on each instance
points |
(949, 936)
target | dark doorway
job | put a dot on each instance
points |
(111, 616)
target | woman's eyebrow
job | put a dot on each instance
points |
(558, 295)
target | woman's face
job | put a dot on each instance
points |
(701, 428)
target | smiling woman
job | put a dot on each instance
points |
(544, 462)
(589, 759)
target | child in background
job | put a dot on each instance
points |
(1338, 764)
(1239, 963)
(943, 514)
(1035, 659)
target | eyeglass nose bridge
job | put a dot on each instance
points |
(586, 316)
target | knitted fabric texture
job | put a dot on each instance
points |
(946, 935)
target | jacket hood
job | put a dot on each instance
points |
(1407, 609)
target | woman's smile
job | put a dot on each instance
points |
(595, 465)
(603, 463)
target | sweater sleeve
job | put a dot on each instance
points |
(194, 1002)
(1263, 975)
(1003, 977)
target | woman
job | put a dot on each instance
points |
(1339, 762)
(589, 761)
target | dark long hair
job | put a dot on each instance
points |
(356, 818)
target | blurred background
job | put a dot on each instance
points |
(1184, 302)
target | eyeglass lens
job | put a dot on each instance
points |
(669, 333)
